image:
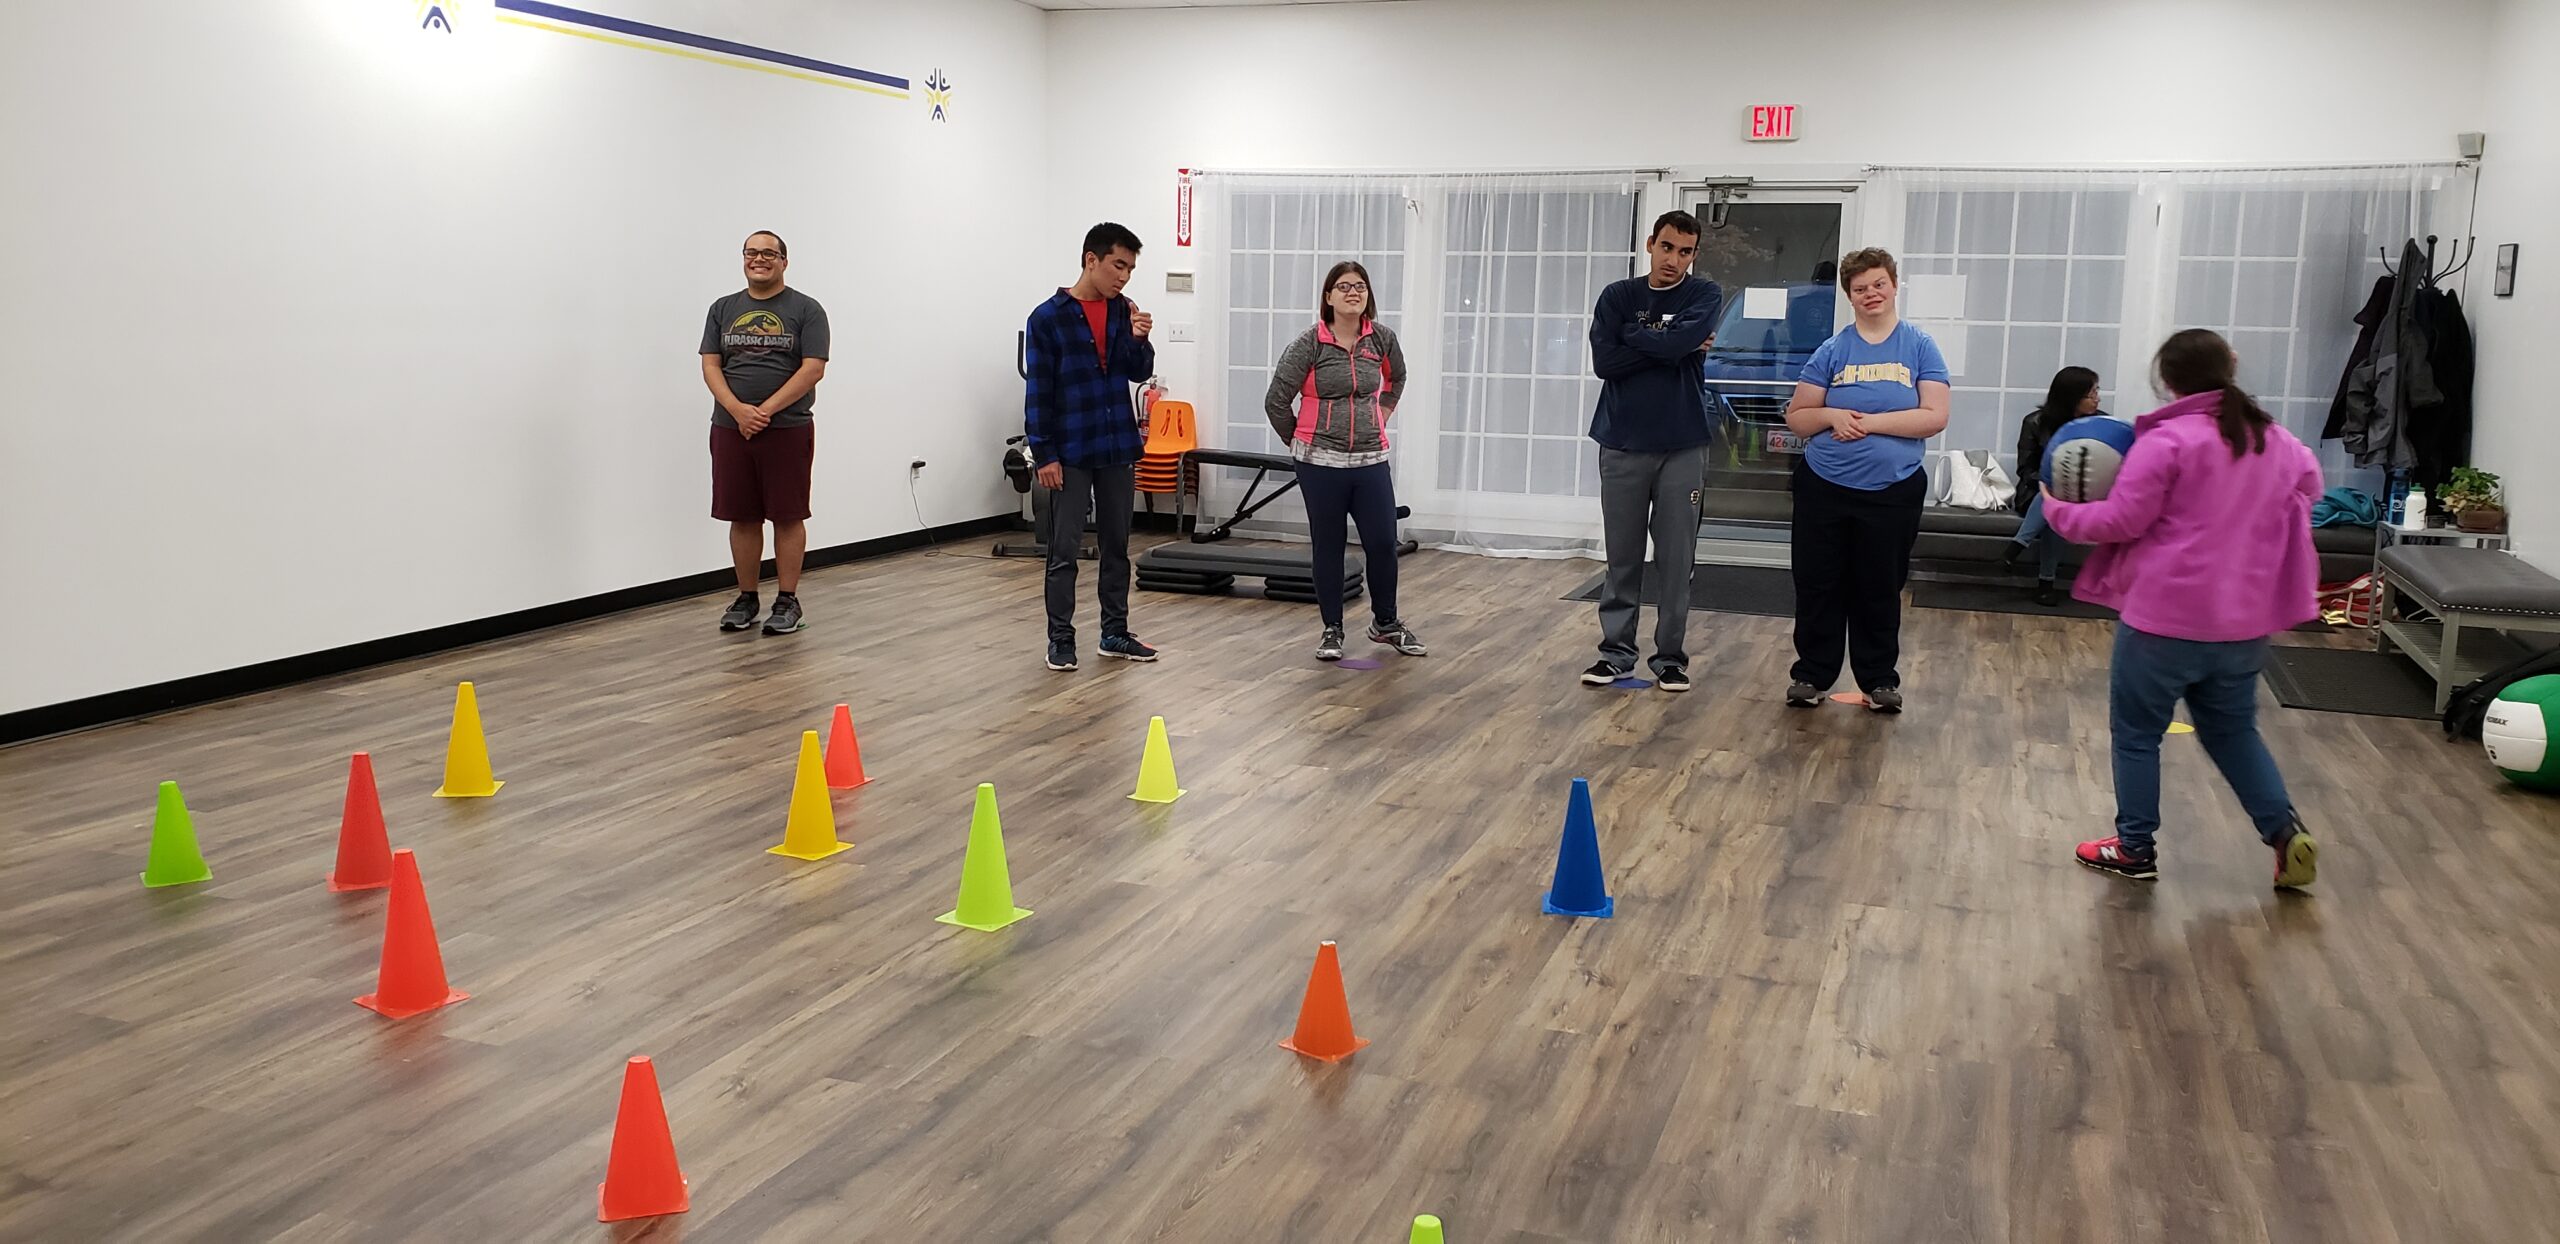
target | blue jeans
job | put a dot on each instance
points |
(2219, 682)
(2035, 533)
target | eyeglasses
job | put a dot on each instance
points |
(1351, 287)
(761, 253)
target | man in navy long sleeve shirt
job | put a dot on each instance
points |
(1081, 350)
(1649, 335)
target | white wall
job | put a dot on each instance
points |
(1488, 84)
(2517, 429)
(323, 328)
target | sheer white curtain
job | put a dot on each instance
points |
(1489, 282)
(2021, 272)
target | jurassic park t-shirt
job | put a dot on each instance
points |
(760, 342)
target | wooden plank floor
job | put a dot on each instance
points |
(1855, 989)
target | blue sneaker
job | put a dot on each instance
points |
(1062, 655)
(1127, 648)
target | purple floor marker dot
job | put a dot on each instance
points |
(1631, 684)
(1357, 663)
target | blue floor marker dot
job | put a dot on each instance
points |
(1357, 663)
(1631, 683)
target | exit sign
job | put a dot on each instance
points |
(1773, 123)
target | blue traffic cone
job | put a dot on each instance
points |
(1578, 889)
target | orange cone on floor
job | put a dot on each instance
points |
(844, 756)
(640, 1175)
(412, 979)
(364, 846)
(1324, 1019)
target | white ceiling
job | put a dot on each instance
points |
(1069, 5)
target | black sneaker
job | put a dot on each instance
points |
(1803, 695)
(1884, 700)
(1398, 636)
(1672, 678)
(742, 613)
(2010, 555)
(2047, 594)
(1329, 648)
(1127, 648)
(1062, 655)
(785, 617)
(1601, 674)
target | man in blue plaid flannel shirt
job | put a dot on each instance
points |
(1081, 351)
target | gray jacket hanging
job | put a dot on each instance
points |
(2384, 391)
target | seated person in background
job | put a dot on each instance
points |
(2074, 393)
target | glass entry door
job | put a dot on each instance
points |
(1777, 253)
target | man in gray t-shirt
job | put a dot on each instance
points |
(764, 350)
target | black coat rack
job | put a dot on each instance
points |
(2433, 277)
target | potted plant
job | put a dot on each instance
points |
(2475, 500)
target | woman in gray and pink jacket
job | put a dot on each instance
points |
(1330, 396)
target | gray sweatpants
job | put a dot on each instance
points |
(1641, 495)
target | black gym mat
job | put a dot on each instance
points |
(2000, 598)
(2350, 680)
(1764, 591)
(1978, 597)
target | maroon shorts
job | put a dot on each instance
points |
(762, 478)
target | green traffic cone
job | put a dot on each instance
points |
(1426, 1230)
(986, 890)
(175, 858)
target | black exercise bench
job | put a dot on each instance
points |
(1285, 573)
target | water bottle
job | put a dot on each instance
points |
(2414, 516)
(2399, 502)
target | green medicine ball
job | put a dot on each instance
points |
(2518, 732)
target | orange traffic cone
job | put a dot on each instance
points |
(844, 756)
(640, 1175)
(1324, 1019)
(412, 980)
(364, 846)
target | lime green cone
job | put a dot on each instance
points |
(175, 858)
(1426, 1230)
(986, 889)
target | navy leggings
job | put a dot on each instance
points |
(1366, 495)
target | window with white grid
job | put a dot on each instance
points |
(2280, 272)
(2042, 287)
(1283, 243)
(1521, 271)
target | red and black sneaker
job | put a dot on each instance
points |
(2108, 855)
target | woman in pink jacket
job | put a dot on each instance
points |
(2204, 550)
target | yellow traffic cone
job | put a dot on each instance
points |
(1155, 768)
(810, 834)
(466, 754)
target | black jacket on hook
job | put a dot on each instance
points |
(2405, 403)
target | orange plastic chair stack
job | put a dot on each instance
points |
(1170, 434)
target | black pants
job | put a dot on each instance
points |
(1365, 495)
(1852, 554)
(1110, 493)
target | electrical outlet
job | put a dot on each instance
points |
(1180, 332)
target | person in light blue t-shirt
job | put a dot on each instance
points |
(1866, 405)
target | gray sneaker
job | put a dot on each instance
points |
(1884, 700)
(1803, 695)
(742, 613)
(1398, 636)
(1329, 648)
(785, 617)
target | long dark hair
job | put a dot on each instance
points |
(2071, 386)
(1324, 292)
(2200, 361)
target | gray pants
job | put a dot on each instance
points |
(1656, 495)
(1108, 492)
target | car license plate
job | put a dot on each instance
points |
(1783, 441)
